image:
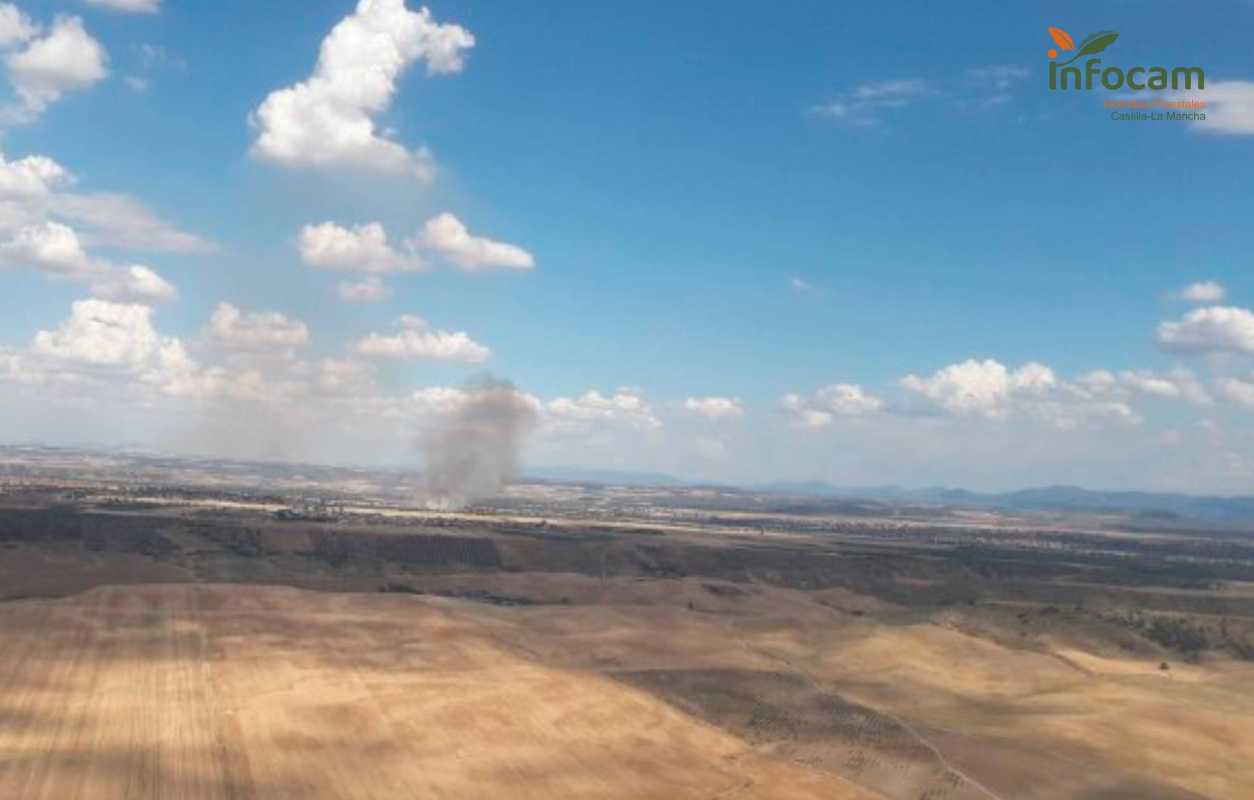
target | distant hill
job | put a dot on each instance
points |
(1065, 498)
(1045, 498)
(820, 489)
(607, 477)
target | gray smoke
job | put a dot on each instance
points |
(475, 451)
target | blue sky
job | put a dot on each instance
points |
(732, 202)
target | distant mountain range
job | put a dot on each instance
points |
(1231, 510)
(1045, 498)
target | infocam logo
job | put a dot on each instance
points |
(1064, 76)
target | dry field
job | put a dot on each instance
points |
(236, 692)
(625, 689)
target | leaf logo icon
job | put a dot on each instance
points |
(1063, 38)
(1093, 44)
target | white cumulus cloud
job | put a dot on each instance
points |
(361, 248)
(103, 334)
(980, 387)
(715, 407)
(328, 119)
(48, 247)
(987, 389)
(366, 248)
(821, 408)
(259, 330)
(1214, 329)
(582, 414)
(31, 179)
(15, 26)
(54, 249)
(415, 339)
(66, 59)
(446, 235)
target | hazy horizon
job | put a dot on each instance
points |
(569, 473)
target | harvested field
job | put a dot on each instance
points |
(622, 690)
(230, 692)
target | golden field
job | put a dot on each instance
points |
(621, 688)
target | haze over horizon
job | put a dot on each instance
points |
(741, 248)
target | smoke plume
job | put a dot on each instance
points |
(473, 452)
